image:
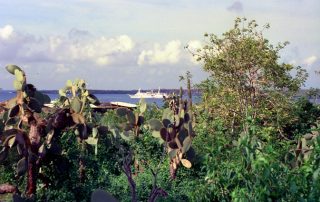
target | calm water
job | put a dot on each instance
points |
(6, 94)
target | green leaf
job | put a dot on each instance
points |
(54, 148)
(95, 132)
(42, 98)
(173, 144)
(140, 120)
(186, 163)
(181, 112)
(11, 68)
(14, 111)
(92, 141)
(17, 85)
(127, 135)
(93, 99)
(155, 124)
(177, 120)
(35, 105)
(182, 135)
(172, 153)
(83, 133)
(143, 105)
(166, 122)
(314, 176)
(42, 150)
(69, 84)
(165, 135)
(19, 75)
(76, 105)
(22, 166)
(121, 111)
(191, 154)
(155, 134)
(115, 132)
(186, 117)
(102, 196)
(11, 121)
(167, 114)
(131, 117)
(9, 132)
(10, 141)
(186, 144)
(62, 93)
(308, 136)
(4, 154)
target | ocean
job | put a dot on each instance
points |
(103, 96)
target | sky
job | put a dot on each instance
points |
(131, 44)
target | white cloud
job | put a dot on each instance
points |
(76, 47)
(97, 50)
(170, 54)
(61, 68)
(6, 32)
(193, 46)
(102, 61)
(125, 43)
(54, 42)
(310, 60)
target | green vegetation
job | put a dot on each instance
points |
(248, 140)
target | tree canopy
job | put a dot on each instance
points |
(246, 73)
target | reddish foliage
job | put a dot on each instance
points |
(7, 188)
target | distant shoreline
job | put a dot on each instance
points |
(168, 91)
(300, 93)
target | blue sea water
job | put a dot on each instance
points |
(103, 97)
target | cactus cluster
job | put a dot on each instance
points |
(36, 138)
(175, 130)
(23, 126)
(27, 95)
(130, 122)
(80, 95)
(304, 147)
(76, 97)
(21, 111)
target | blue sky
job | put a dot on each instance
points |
(130, 44)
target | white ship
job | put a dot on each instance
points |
(150, 94)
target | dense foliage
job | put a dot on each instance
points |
(246, 77)
(256, 142)
(248, 140)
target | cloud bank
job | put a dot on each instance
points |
(74, 48)
(80, 53)
(79, 46)
(170, 54)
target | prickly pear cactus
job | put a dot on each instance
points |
(23, 126)
(78, 100)
(175, 131)
(131, 122)
(304, 147)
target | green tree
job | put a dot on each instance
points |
(313, 93)
(246, 76)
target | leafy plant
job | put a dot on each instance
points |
(246, 78)
(176, 132)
